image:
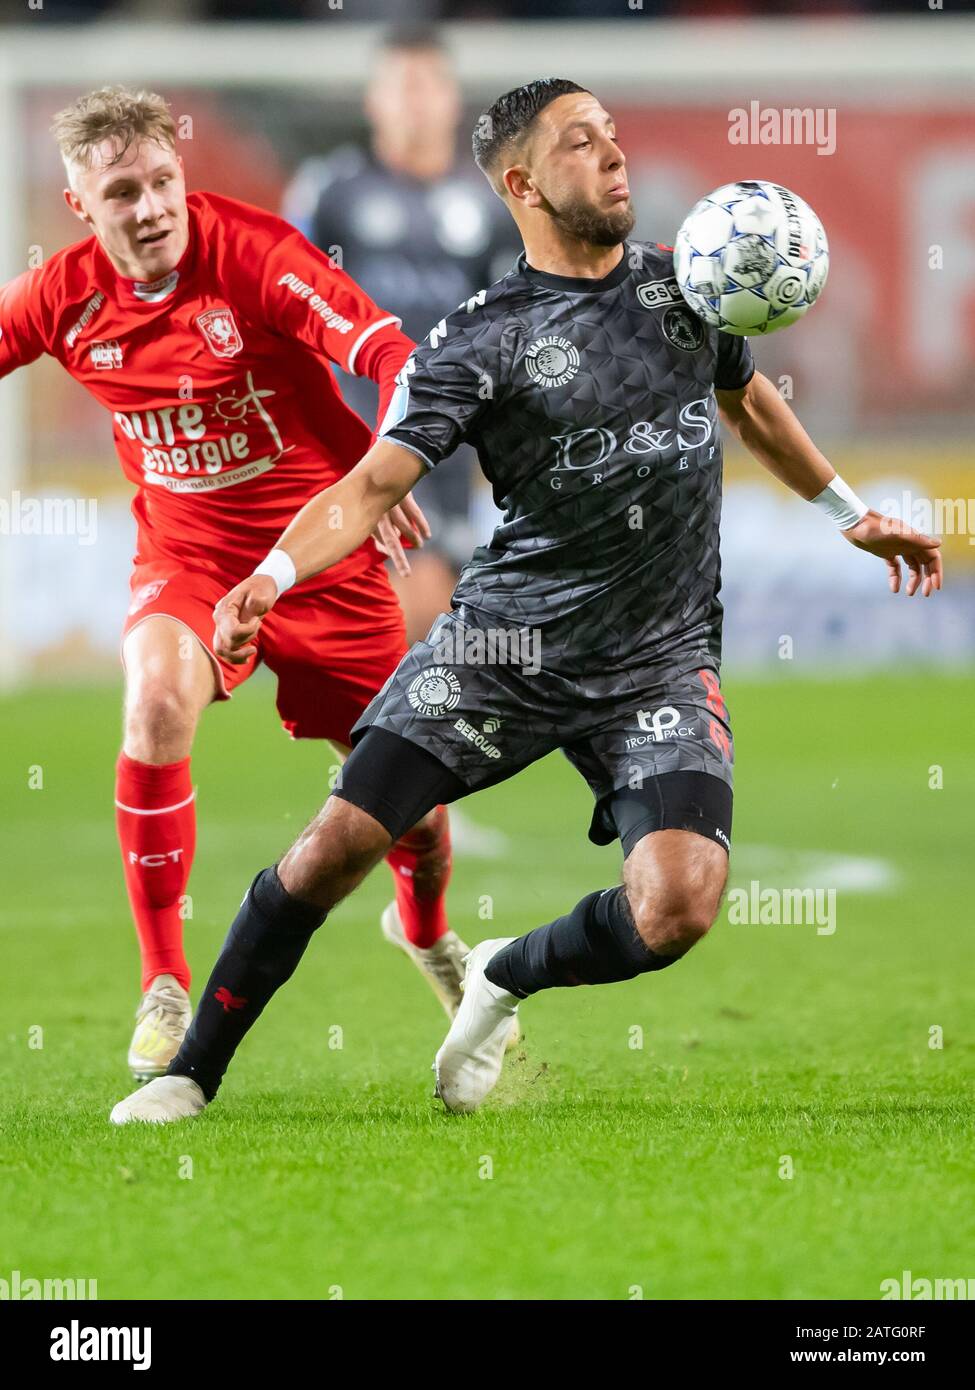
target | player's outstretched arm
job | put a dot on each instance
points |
(769, 430)
(327, 529)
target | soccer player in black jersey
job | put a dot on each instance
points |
(590, 623)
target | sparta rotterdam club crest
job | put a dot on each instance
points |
(219, 328)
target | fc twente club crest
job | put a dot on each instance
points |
(219, 327)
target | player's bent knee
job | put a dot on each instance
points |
(671, 924)
(158, 719)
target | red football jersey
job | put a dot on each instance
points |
(226, 415)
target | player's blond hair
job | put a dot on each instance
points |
(117, 114)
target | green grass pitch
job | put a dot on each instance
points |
(600, 1169)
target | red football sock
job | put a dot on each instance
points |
(156, 820)
(421, 863)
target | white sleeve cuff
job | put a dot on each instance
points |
(367, 333)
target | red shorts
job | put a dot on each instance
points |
(331, 647)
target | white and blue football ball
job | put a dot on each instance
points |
(751, 257)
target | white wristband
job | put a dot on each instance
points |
(841, 504)
(280, 566)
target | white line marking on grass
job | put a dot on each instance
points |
(774, 864)
(473, 841)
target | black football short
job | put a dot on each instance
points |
(653, 741)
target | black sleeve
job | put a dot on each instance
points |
(442, 389)
(735, 366)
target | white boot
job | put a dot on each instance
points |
(469, 1062)
(166, 1099)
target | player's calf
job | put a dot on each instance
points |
(169, 681)
(673, 881)
(421, 864)
(281, 910)
(333, 854)
(670, 898)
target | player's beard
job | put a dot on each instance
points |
(586, 223)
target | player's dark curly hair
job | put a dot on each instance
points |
(509, 119)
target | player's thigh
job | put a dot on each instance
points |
(431, 821)
(452, 719)
(660, 758)
(167, 639)
(169, 677)
(171, 670)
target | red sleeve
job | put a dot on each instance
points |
(305, 296)
(380, 358)
(22, 336)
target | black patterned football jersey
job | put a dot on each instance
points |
(590, 404)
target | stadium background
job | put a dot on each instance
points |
(838, 731)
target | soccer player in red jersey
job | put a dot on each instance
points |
(206, 327)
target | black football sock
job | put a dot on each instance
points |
(264, 945)
(596, 944)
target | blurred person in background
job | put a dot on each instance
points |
(420, 231)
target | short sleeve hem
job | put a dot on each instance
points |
(406, 441)
(734, 385)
